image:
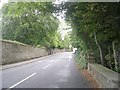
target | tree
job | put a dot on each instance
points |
(31, 23)
(96, 29)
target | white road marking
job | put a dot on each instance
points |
(51, 60)
(40, 61)
(46, 66)
(70, 57)
(56, 60)
(69, 61)
(22, 80)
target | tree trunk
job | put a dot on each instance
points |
(110, 59)
(100, 50)
(119, 57)
(114, 55)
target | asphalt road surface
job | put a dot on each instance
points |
(55, 71)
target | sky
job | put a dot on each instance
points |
(2, 1)
(63, 28)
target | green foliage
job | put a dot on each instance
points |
(100, 18)
(31, 23)
(67, 41)
(81, 59)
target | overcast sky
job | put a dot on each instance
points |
(2, 1)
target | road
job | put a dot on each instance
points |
(55, 71)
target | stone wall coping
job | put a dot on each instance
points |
(19, 43)
(111, 75)
(13, 42)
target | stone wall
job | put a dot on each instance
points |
(15, 52)
(58, 50)
(105, 77)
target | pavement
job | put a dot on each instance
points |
(55, 71)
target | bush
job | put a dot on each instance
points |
(81, 59)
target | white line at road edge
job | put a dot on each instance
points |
(46, 66)
(22, 80)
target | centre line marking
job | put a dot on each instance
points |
(56, 60)
(70, 57)
(46, 66)
(22, 80)
(69, 61)
(40, 61)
